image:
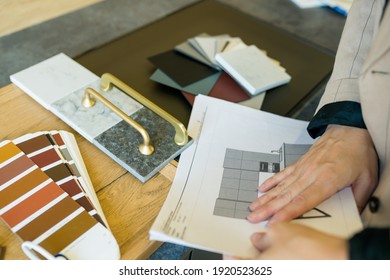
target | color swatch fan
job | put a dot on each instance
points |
(48, 201)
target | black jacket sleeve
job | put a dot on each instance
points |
(347, 113)
(370, 244)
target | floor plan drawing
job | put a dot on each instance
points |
(245, 170)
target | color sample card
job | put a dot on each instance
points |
(202, 86)
(43, 151)
(225, 88)
(56, 138)
(180, 68)
(186, 49)
(255, 102)
(203, 48)
(34, 206)
(228, 89)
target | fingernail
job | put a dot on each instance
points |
(255, 236)
(270, 222)
(253, 206)
(249, 217)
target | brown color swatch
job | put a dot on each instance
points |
(45, 158)
(8, 151)
(68, 233)
(34, 144)
(21, 187)
(14, 168)
(48, 219)
(32, 204)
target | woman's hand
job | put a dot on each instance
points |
(292, 241)
(343, 156)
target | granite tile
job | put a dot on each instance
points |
(122, 141)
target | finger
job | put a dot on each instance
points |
(302, 203)
(276, 179)
(270, 203)
(362, 190)
(361, 196)
(260, 240)
(266, 210)
(272, 194)
(276, 191)
(267, 242)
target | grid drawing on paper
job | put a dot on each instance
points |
(241, 176)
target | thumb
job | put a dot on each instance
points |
(260, 240)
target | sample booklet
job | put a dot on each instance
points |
(47, 199)
(237, 148)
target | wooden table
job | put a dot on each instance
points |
(129, 206)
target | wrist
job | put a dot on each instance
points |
(345, 132)
(346, 113)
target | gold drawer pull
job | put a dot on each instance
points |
(181, 136)
(88, 101)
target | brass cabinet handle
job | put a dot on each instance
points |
(181, 136)
(90, 94)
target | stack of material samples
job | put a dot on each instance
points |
(47, 199)
(219, 66)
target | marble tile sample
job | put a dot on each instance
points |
(53, 79)
(97, 119)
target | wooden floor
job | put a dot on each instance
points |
(16, 15)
